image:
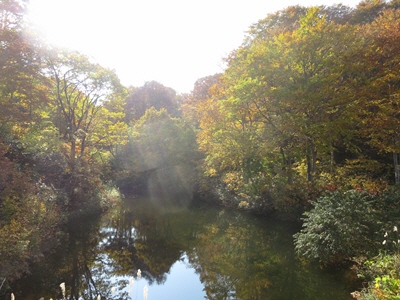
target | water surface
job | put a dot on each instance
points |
(183, 252)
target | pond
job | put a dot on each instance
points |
(183, 252)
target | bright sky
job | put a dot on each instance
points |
(173, 42)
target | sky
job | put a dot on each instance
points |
(174, 42)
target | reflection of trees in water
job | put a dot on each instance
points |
(91, 257)
(77, 262)
(241, 257)
(143, 242)
(237, 256)
(90, 272)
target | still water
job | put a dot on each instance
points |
(183, 253)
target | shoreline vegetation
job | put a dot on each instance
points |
(303, 124)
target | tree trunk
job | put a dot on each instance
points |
(396, 168)
(287, 167)
(311, 162)
(332, 159)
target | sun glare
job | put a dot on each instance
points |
(173, 42)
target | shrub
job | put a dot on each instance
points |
(339, 227)
(382, 272)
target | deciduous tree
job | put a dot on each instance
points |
(381, 93)
(151, 94)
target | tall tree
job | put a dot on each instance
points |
(381, 92)
(151, 94)
(21, 89)
(85, 120)
(294, 80)
(285, 20)
(202, 90)
(284, 103)
(288, 20)
(80, 89)
(368, 10)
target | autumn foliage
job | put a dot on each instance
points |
(308, 103)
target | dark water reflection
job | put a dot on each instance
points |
(183, 253)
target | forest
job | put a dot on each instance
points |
(303, 125)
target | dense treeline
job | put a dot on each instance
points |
(70, 133)
(61, 116)
(306, 118)
(308, 104)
